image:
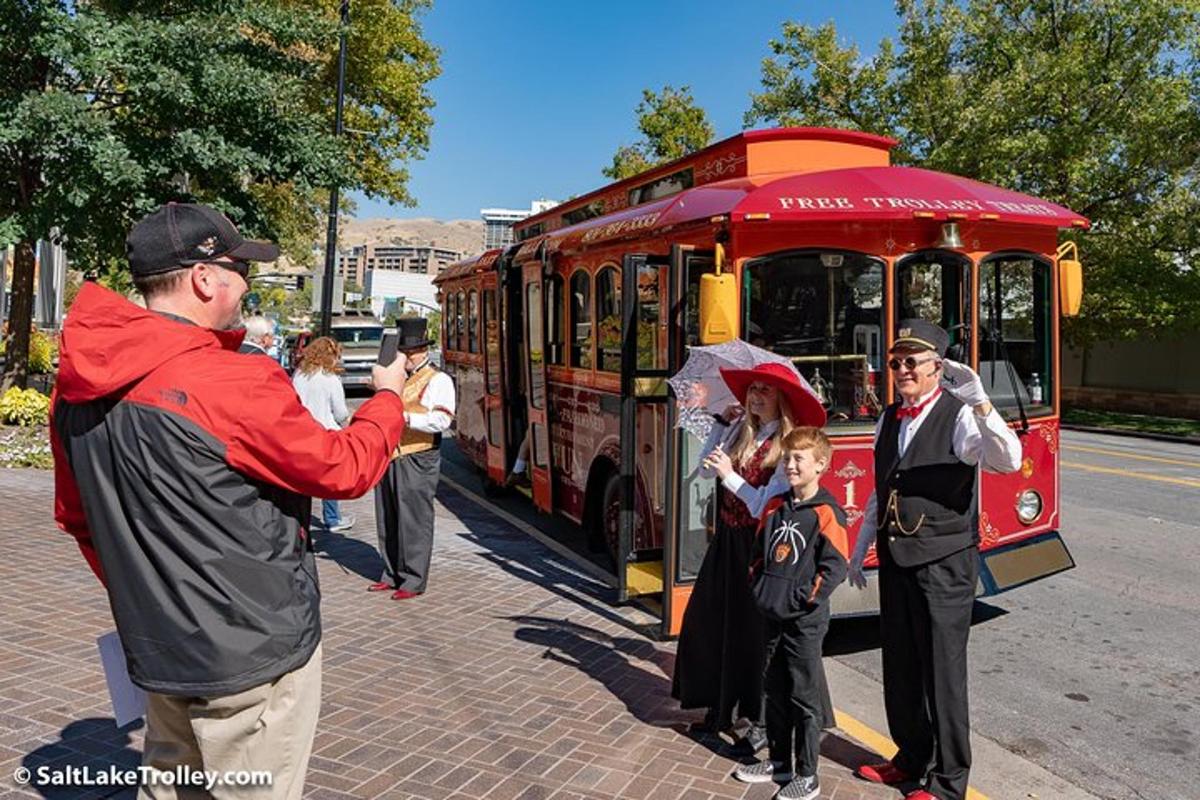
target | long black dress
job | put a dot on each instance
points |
(722, 643)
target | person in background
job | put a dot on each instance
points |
(802, 551)
(184, 472)
(260, 337)
(519, 475)
(929, 446)
(320, 390)
(404, 498)
(719, 663)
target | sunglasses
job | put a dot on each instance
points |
(908, 362)
(240, 267)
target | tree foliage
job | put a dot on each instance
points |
(1094, 104)
(116, 106)
(672, 126)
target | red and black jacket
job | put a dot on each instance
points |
(803, 555)
(184, 470)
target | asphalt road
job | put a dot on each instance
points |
(1094, 674)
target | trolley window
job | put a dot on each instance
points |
(935, 286)
(555, 324)
(581, 320)
(608, 316)
(1015, 332)
(473, 322)
(533, 311)
(825, 310)
(491, 342)
(460, 322)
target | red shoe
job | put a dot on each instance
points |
(887, 772)
(920, 794)
(404, 594)
(381, 586)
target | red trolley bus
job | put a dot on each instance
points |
(568, 336)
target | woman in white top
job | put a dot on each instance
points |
(320, 389)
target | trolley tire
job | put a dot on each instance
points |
(610, 516)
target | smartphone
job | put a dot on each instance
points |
(388, 348)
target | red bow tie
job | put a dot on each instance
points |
(912, 411)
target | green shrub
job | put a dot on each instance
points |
(42, 349)
(25, 407)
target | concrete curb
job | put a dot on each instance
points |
(1158, 437)
(996, 772)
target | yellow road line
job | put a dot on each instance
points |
(1145, 476)
(1136, 457)
(880, 743)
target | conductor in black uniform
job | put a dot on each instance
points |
(928, 448)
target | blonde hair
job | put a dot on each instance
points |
(743, 448)
(807, 437)
(321, 355)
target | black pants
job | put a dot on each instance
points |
(795, 687)
(404, 518)
(925, 616)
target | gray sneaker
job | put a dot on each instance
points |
(344, 524)
(763, 772)
(803, 788)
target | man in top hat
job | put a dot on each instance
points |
(928, 448)
(404, 498)
(184, 471)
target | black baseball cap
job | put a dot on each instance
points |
(181, 234)
(917, 334)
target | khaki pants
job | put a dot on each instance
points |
(267, 728)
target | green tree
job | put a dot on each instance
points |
(434, 320)
(115, 106)
(672, 126)
(1092, 104)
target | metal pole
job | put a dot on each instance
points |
(331, 235)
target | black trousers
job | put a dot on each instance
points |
(794, 682)
(404, 518)
(925, 617)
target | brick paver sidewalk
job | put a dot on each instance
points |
(511, 678)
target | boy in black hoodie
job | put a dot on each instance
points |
(803, 557)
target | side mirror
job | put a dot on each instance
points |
(718, 304)
(1070, 280)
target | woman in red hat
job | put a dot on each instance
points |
(719, 662)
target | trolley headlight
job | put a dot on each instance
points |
(1029, 506)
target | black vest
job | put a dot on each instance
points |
(926, 500)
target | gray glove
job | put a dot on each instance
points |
(866, 537)
(960, 381)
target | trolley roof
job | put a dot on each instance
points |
(789, 175)
(861, 194)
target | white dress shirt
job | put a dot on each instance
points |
(987, 442)
(754, 498)
(439, 398)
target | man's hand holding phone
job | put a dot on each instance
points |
(391, 371)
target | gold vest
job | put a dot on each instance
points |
(415, 441)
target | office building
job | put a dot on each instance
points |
(356, 263)
(498, 222)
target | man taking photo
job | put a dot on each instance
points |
(184, 471)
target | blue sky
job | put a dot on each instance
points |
(535, 97)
